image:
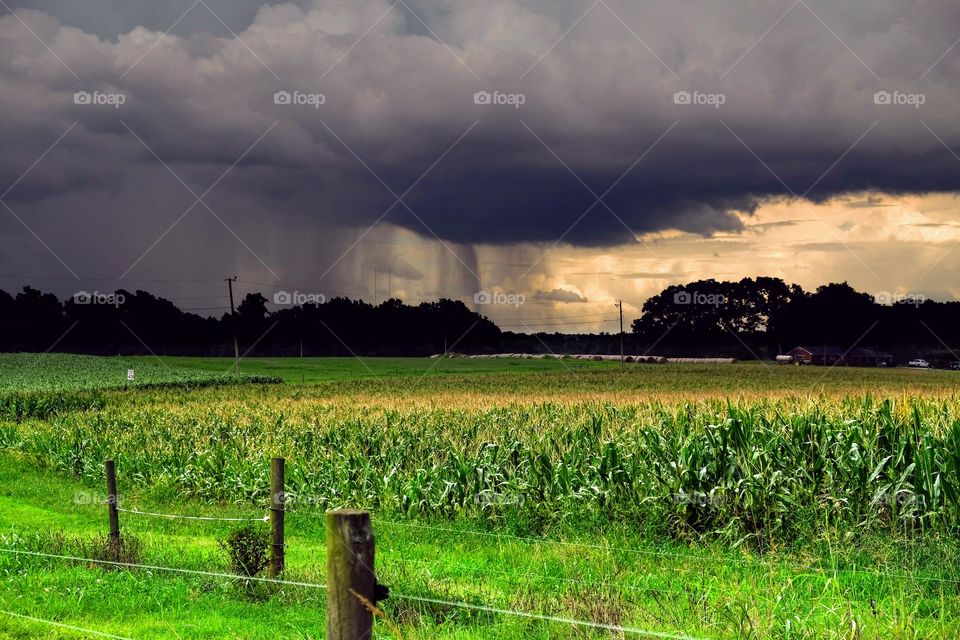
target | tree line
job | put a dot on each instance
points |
(766, 316)
(749, 318)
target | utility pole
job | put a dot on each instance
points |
(620, 305)
(233, 325)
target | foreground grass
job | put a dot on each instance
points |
(838, 588)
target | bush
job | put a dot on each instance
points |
(247, 549)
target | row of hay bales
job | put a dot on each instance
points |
(640, 359)
(594, 357)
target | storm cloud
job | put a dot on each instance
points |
(489, 122)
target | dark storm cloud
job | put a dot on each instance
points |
(598, 114)
(110, 18)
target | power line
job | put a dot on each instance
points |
(586, 315)
(510, 323)
(552, 324)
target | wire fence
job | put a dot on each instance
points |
(593, 584)
(713, 559)
(400, 596)
(422, 599)
(61, 625)
(277, 510)
(153, 567)
(176, 516)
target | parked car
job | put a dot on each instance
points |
(919, 363)
(955, 366)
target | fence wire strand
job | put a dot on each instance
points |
(539, 576)
(132, 565)
(92, 632)
(667, 554)
(547, 618)
(423, 599)
(176, 516)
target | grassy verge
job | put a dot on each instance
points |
(837, 587)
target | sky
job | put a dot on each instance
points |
(538, 160)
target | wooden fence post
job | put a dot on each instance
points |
(277, 500)
(349, 574)
(113, 537)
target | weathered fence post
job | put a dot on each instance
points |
(277, 500)
(349, 575)
(113, 537)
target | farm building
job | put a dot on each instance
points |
(864, 357)
(829, 355)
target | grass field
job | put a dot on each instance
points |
(326, 369)
(704, 501)
(62, 372)
(297, 370)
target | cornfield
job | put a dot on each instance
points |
(757, 471)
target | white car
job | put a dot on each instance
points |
(919, 362)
